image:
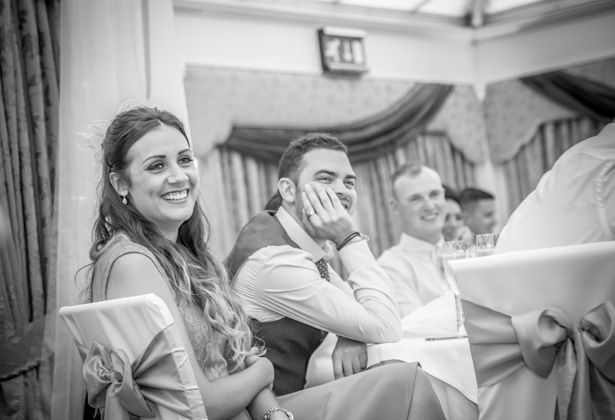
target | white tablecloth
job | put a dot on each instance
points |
(448, 362)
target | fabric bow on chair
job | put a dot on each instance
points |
(122, 388)
(110, 385)
(583, 355)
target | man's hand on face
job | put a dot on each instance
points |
(349, 357)
(324, 216)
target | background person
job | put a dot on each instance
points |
(479, 213)
(420, 288)
(573, 203)
(454, 228)
(418, 201)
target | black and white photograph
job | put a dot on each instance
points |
(307, 209)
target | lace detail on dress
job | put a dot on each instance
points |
(194, 325)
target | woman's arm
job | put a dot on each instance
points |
(262, 403)
(264, 400)
(135, 274)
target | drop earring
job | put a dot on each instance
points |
(124, 200)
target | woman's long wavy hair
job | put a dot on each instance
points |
(194, 275)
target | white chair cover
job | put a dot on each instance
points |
(135, 360)
(523, 308)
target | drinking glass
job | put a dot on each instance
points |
(446, 251)
(452, 250)
(485, 244)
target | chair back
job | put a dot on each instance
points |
(540, 326)
(135, 361)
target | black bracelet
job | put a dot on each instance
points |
(341, 244)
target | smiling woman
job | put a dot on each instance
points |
(151, 237)
(161, 179)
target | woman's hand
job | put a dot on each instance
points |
(263, 365)
(251, 360)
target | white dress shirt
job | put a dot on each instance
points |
(411, 266)
(282, 281)
(574, 203)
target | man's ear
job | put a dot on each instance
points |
(119, 185)
(394, 204)
(287, 190)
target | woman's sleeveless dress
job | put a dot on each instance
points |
(395, 391)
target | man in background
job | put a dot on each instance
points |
(418, 201)
(479, 213)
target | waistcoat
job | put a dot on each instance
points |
(289, 343)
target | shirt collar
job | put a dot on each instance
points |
(408, 241)
(298, 235)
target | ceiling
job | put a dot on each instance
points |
(472, 19)
(480, 13)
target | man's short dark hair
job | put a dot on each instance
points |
(450, 194)
(469, 196)
(412, 168)
(291, 162)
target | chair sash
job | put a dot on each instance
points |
(159, 375)
(583, 355)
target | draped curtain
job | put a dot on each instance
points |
(591, 101)
(113, 52)
(377, 145)
(366, 139)
(29, 118)
(584, 96)
(552, 139)
(249, 182)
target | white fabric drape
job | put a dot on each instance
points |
(109, 56)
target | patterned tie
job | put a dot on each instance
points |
(323, 269)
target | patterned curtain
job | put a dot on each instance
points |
(29, 82)
(582, 95)
(525, 169)
(366, 138)
(249, 183)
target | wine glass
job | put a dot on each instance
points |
(485, 244)
(452, 250)
(446, 251)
